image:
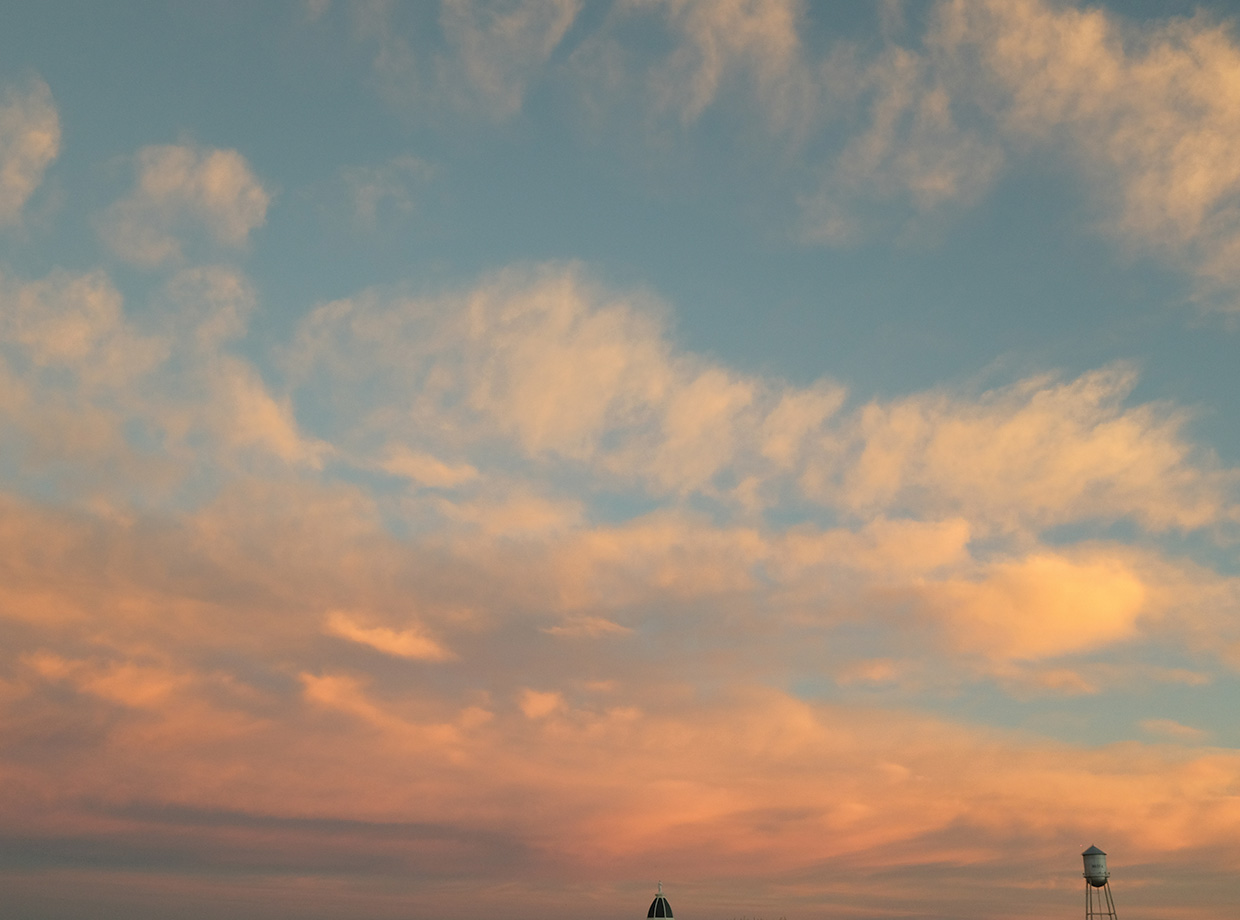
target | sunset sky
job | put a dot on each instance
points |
(477, 460)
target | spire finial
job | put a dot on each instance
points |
(660, 888)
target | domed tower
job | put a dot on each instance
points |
(1098, 903)
(659, 908)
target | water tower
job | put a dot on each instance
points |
(1099, 905)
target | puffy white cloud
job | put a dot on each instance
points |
(557, 438)
(181, 191)
(1148, 112)
(29, 142)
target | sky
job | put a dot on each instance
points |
(477, 460)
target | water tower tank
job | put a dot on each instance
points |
(1096, 867)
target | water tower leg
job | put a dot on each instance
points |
(1099, 905)
(1110, 901)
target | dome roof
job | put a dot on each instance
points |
(659, 907)
(1092, 851)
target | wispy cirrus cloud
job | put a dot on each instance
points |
(493, 53)
(713, 45)
(873, 138)
(1148, 112)
(930, 117)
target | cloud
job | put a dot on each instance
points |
(620, 555)
(407, 643)
(426, 470)
(1144, 111)
(867, 139)
(1034, 454)
(502, 48)
(1042, 606)
(588, 627)
(76, 321)
(211, 304)
(381, 190)
(103, 405)
(538, 705)
(717, 41)
(913, 150)
(244, 414)
(1171, 729)
(871, 138)
(180, 192)
(186, 664)
(523, 409)
(71, 369)
(495, 53)
(599, 472)
(1149, 112)
(566, 372)
(29, 142)
(134, 685)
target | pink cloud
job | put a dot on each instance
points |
(195, 653)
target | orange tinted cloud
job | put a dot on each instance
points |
(1042, 606)
(190, 670)
(404, 643)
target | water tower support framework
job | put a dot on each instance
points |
(1099, 905)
